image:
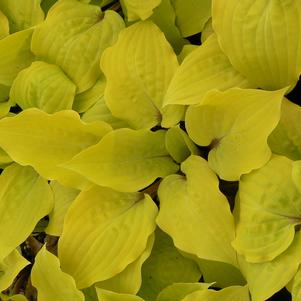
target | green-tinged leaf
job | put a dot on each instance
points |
(10, 268)
(105, 295)
(231, 124)
(4, 108)
(90, 294)
(285, 140)
(25, 197)
(207, 31)
(187, 49)
(205, 225)
(179, 145)
(164, 16)
(22, 14)
(4, 93)
(267, 211)
(273, 274)
(296, 286)
(192, 15)
(51, 282)
(4, 26)
(129, 280)
(203, 70)
(112, 229)
(87, 99)
(138, 69)
(5, 159)
(13, 298)
(47, 4)
(15, 55)
(43, 86)
(232, 293)
(100, 112)
(164, 267)
(221, 273)
(71, 29)
(137, 9)
(63, 198)
(251, 32)
(177, 291)
(125, 160)
(45, 141)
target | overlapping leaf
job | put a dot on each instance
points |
(125, 160)
(22, 14)
(204, 224)
(139, 68)
(129, 280)
(203, 70)
(71, 29)
(45, 141)
(164, 267)
(25, 198)
(10, 268)
(192, 15)
(49, 280)
(285, 139)
(15, 55)
(112, 229)
(136, 9)
(251, 32)
(230, 123)
(4, 26)
(43, 86)
(268, 210)
(105, 295)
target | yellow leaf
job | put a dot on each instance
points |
(105, 295)
(25, 198)
(4, 27)
(125, 160)
(51, 282)
(111, 229)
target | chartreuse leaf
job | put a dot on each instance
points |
(296, 286)
(266, 218)
(87, 99)
(4, 26)
(50, 281)
(112, 229)
(10, 268)
(5, 159)
(274, 274)
(186, 50)
(286, 138)
(45, 141)
(13, 298)
(165, 266)
(15, 55)
(136, 9)
(71, 29)
(138, 69)
(205, 225)
(204, 69)
(129, 280)
(250, 33)
(192, 15)
(125, 160)
(237, 293)
(4, 93)
(63, 198)
(44, 86)
(179, 145)
(231, 124)
(207, 31)
(24, 197)
(90, 293)
(105, 295)
(177, 291)
(164, 16)
(221, 273)
(100, 112)
(22, 14)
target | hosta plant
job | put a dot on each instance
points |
(150, 150)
